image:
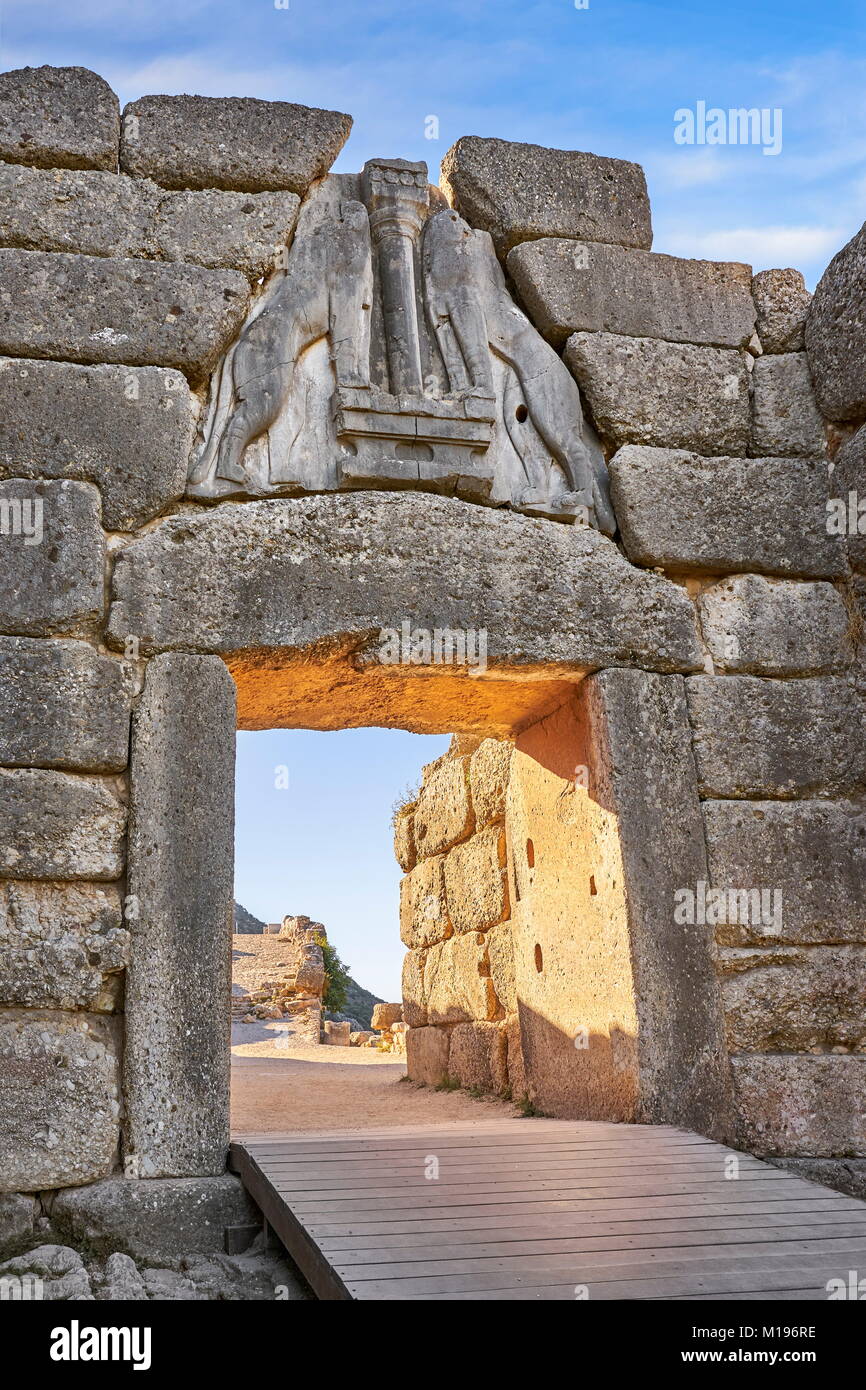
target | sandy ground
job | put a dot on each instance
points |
(278, 1087)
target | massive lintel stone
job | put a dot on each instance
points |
(764, 738)
(687, 512)
(55, 825)
(293, 573)
(775, 627)
(129, 430)
(62, 705)
(62, 946)
(675, 395)
(812, 852)
(795, 999)
(230, 142)
(58, 118)
(572, 286)
(60, 1099)
(53, 553)
(836, 334)
(781, 299)
(113, 215)
(153, 1218)
(801, 1105)
(519, 192)
(92, 309)
(176, 1061)
(786, 421)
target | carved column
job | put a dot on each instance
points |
(397, 199)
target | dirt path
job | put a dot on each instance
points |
(301, 1089)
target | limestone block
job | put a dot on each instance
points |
(230, 142)
(795, 999)
(153, 1217)
(362, 1038)
(57, 826)
(113, 215)
(58, 118)
(477, 1056)
(514, 1057)
(404, 840)
(62, 946)
(62, 705)
(785, 419)
(844, 1174)
(384, 1015)
(443, 810)
(775, 627)
(801, 1105)
(812, 852)
(457, 984)
(489, 767)
(60, 1099)
(412, 989)
(500, 947)
(761, 738)
(53, 553)
(781, 300)
(686, 512)
(476, 881)
(849, 476)
(836, 334)
(181, 856)
(427, 1055)
(17, 1218)
(374, 556)
(336, 1034)
(423, 906)
(572, 287)
(129, 430)
(518, 192)
(92, 309)
(642, 391)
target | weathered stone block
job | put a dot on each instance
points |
(686, 512)
(427, 1055)
(761, 738)
(477, 1056)
(476, 881)
(519, 192)
(181, 855)
(60, 1099)
(500, 950)
(572, 287)
(53, 553)
(514, 1056)
(113, 215)
(157, 1217)
(844, 1174)
(336, 1034)
(423, 907)
(642, 391)
(785, 420)
(836, 334)
(129, 430)
(53, 825)
(489, 767)
(62, 946)
(404, 840)
(371, 557)
(385, 1015)
(62, 705)
(92, 309)
(775, 627)
(790, 999)
(412, 989)
(812, 852)
(457, 984)
(781, 300)
(17, 1219)
(443, 811)
(230, 142)
(59, 118)
(849, 512)
(801, 1105)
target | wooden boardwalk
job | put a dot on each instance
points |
(546, 1209)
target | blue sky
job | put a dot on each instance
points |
(607, 78)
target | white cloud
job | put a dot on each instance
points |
(762, 247)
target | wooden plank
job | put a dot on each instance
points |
(332, 1173)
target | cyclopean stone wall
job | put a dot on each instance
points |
(711, 647)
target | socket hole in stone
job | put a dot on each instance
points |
(592, 888)
(530, 854)
(521, 414)
(539, 958)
